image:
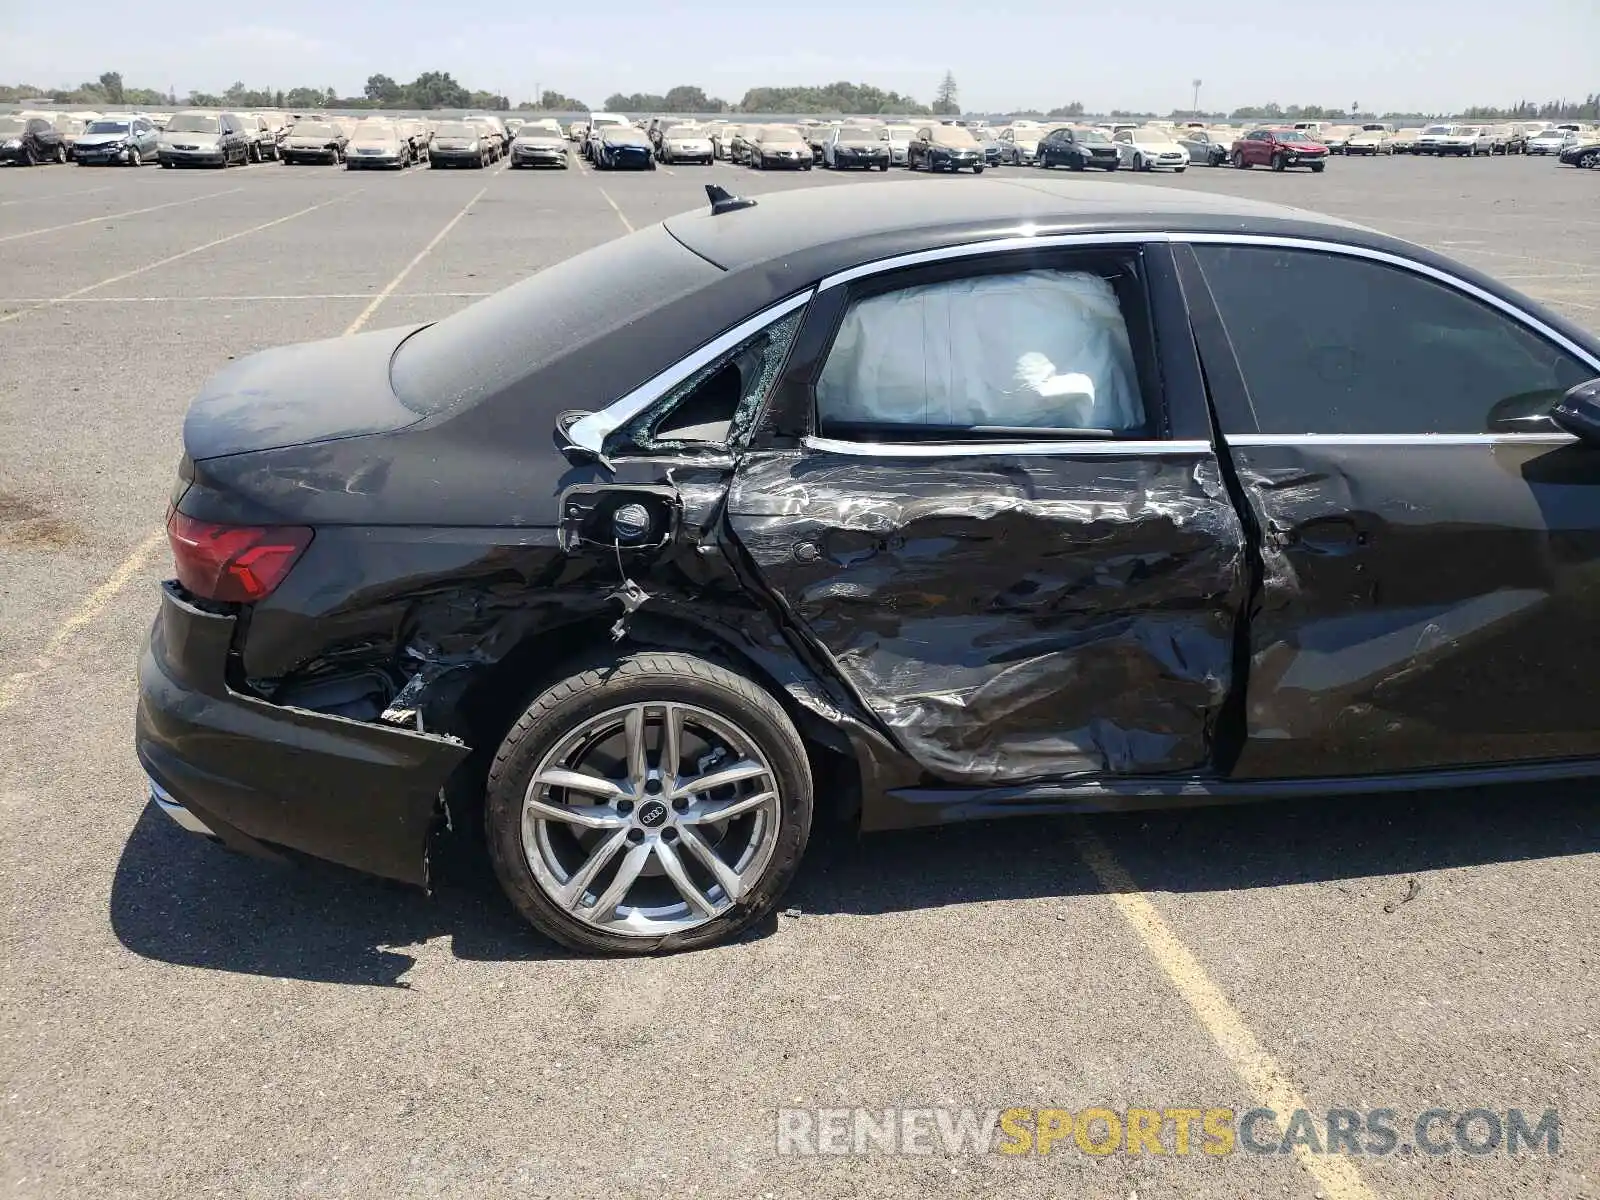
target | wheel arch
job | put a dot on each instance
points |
(491, 699)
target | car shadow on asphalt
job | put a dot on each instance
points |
(177, 898)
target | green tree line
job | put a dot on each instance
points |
(439, 89)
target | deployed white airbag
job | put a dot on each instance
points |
(1035, 348)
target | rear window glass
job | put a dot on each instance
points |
(487, 347)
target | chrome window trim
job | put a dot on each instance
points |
(591, 431)
(1041, 241)
(1109, 447)
(1398, 439)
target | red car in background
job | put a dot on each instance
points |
(1279, 149)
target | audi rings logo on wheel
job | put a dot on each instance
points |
(652, 814)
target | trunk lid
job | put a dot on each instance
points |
(298, 394)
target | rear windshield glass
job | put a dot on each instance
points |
(485, 348)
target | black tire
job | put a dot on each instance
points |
(1591, 159)
(647, 676)
(1239, 161)
(30, 157)
(61, 154)
(1316, 168)
(135, 159)
(1279, 163)
(977, 170)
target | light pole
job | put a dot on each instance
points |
(1195, 107)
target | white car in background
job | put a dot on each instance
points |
(1147, 147)
(1465, 140)
(1370, 139)
(1547, 141)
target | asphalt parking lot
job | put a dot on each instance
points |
(175, 1020)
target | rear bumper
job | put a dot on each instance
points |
(360, 794)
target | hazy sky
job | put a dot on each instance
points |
(1134, 54)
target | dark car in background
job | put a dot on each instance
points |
(622, 147)
(29, 141)
(1279, 149)
(740, 540)
(314, 141)
(1584, 152)
(458, 144)
(125, 139)
(945, 148)
(1077, 147)
(857, 146)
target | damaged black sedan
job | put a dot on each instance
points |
(878, 505)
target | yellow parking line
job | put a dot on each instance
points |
(132, 212)
(377, 301)
(1262, 1074)
(93, 605)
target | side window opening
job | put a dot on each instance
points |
(1375, 349)
(1041, 352)
(717, 406)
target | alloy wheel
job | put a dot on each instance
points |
(650, 819)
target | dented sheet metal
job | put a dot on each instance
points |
(1421, 606)
(1012, 617)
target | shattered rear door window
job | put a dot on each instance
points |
(717, 405)
(1045, 349)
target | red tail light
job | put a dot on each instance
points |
(235, 563)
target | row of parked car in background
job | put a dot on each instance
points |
(206, 137)
(612, 140)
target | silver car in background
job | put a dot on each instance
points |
(1547, 141)
(539, 143)
(900, 143)
(117, 138)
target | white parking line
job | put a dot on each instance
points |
(132, 212)
(377, 301)
(54, 196)
(172, 258)
(1260, 1072)
(41, 300)
(626, 224)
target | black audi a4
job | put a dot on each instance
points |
(896, 505)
